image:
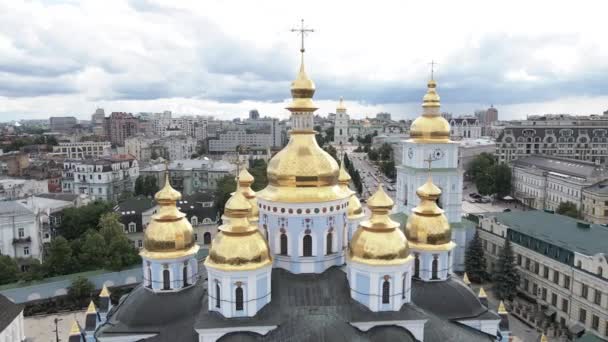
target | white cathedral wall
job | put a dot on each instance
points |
(154, 268)
(444, 266)
(295, 220)
(256, 290)
(366, 282)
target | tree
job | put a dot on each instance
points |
(258, 171)
(502, 179)
(59, 260)
(506, 276)
(569, 209)
(386, 152)
(139, 185)
(480, 171)
(150, 185)
(373, 155)
(351, 139)
(388, 168)
(154, 155)
(35, 271)
(94, 251)
(76, 221)
(332, 152)
(475, 260)
(80, 290)
(225, 186)
(8, 270)
(120, 251)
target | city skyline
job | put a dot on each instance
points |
(150, 56)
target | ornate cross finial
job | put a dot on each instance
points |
(433, 63)
(430, 161)
(302, 31)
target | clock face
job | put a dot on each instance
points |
(437, 154)
(410, 153)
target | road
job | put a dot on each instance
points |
(371, 176)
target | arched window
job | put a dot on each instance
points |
(435, 267)
(403, 286)
(600, 271)
(166, 280)
(579, 264)
(329, 242)
(416, 265)
(207, 238)
(185, 274)
(340, 131)
(307, 245)
(239, 298)
(386, 288)
(218, 295)
(283, 244)
(194, 220)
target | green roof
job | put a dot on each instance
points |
(559, 230)
(590, 337)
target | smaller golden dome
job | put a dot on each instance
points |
(427, 225)
(169, 234)
(430, 127)
(238, 245)
(244, 185)
(341, 107)
(378, 241)
(343, 176)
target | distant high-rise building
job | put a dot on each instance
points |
(254, 114)
(98, 120)
(119, 126)
(341, 124)
(383, 116)
(62, 123)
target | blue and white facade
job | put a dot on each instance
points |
(432, 264)
(305, 237)
(368, 282)
(161, 275)
(252, 286)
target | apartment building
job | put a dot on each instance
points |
(83, 149)
(595, 203)
(465, 128)
(562, 263)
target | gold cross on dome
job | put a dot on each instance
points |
(430, 160)
(433, 63)
(302, 31)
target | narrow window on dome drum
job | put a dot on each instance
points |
(239, 298)
(283, 244)
(307, 245)
(435, 266)
(217, 295)
(386, 287)
(166, 280)
(149, 277)
(416, 266)
(185, 275)
(403, 286)
(207, 238)
(329, 243)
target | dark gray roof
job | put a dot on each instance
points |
(192, 205)
(138, 204)
(8, 312)
(14, 208)
(576, 168)
(559, 230)
(599, 188)
(449, 299)
(59, 196)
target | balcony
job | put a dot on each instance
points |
(26, 239)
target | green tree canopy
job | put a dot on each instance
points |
(506, 277)
(94, 251)
(120, 251)
(475, 260)
(386, 152)
(258, 171)
(80, 291)
(76, 221)
(225, 186)
(502, 179)
(59, 260)
(388, 168)
(568, 209)
(9, 270)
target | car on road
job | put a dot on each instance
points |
(475, 195)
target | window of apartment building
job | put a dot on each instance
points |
(26, 250)
(564, 305)
(519, 259)
(536, 267)
(566, 281)
(543, 294)
(584, 290)
(553, 299)
(606, 329)
(534, 289)
(493, 249)
(556, 277)
(528, 263)
(582, 316)
(485, 245)
(526, 284)
(140, 243)
(595, 322)
(546, 272)
(597, 298)
(21, 232)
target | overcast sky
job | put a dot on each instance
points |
(223, 58)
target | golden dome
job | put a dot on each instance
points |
(245, 180)
(427, 227)
(238, 245)
(430, 127)
(379, 241)
(169, 234)
(341, 107)
(302, 172)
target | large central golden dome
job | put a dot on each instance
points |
(169, 234)
(431, 126)
(302, 171)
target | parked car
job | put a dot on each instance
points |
(475, 195)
